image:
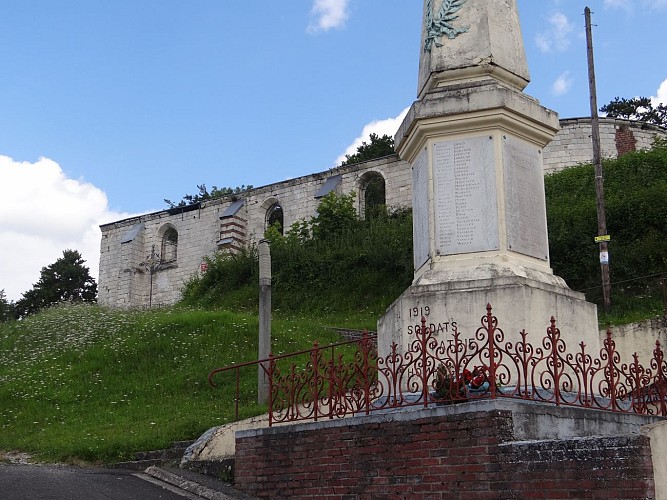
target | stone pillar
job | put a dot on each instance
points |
(264, 319)
(474, 141)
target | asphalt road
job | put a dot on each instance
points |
(48, 482)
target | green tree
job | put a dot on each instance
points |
(378, 148)
(6, 308)
(204, 194)
(637, 108)
(67, 279)
(335, 215)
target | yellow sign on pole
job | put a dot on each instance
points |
(600, 239)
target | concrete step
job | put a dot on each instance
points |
(193, 482)
(140, 465)
(143, 459)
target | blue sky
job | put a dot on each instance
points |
(110, 107)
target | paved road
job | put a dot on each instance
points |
(47, 482)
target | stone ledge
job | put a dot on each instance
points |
(532, 420)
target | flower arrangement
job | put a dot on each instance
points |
(457, 388)
(446, 386)
(477, 380)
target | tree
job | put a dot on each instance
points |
(67, 279)
(335, 215)
(378, 148)
(637, 108)
(204, 194)
(6, 308)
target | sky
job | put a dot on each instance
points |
(107, 108)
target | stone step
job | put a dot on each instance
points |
(167, 456)
(139, 465)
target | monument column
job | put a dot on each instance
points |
(474, 141)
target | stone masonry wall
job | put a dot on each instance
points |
(123, 279)
(466, 455)
(127, 244)
(572, 145)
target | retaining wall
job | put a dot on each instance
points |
(478, 450)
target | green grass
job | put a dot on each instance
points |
(84, 383)
(631, 309)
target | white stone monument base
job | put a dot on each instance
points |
(521, 298)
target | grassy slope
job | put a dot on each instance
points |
(86, 383)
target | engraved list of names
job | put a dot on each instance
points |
(466, 217)
(420, 209)
(525, 206)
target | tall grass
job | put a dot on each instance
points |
(81, 382)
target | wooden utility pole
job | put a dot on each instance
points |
(603, 237)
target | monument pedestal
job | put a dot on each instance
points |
(521, 298)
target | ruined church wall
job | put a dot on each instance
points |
(124, 282)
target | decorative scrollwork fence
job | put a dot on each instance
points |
(432, 371)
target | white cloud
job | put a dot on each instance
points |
(328, 14)
(562, 84)
(43, 213)
(388, 126)
(661, 97)
(619, 4)
(557, 38)
(630, 5)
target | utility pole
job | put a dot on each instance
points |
(603, 237)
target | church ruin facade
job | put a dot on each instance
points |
(146, 260)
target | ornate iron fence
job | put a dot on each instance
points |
(430, 372)
(328, 353)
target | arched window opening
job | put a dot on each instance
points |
(374, 197)
(169, 246)
(274, 217)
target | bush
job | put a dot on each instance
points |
(635, 187)
(332, 262)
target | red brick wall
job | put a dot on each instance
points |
(466, 456)
(625, 140)
(601, 467)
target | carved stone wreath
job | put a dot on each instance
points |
(443, 24)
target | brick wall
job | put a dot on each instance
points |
(469, 455)
(625, 140)
(595, 467)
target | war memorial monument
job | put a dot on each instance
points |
(474, 141)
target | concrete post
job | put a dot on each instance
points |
(264, 319)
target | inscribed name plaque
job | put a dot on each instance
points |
(525, 205)
(464, 178)
(420, 209)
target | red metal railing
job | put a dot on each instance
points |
(433, 372)
(270, 364)
(330, 384)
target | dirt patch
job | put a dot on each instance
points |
(15, 457)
